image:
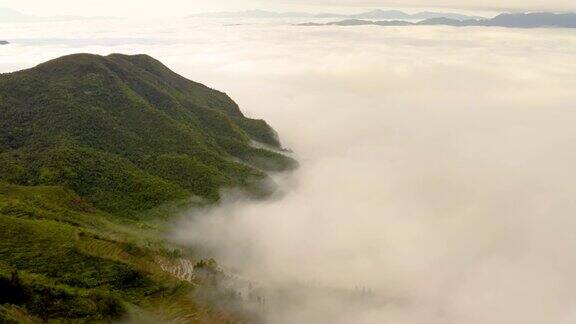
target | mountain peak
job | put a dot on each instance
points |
(89, 118)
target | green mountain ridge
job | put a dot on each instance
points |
(120, 126)
(96, 153)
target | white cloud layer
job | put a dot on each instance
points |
(436, 171)
(437, 164)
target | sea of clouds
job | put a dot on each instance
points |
(437, 179)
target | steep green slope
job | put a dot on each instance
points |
(95, 153)
(119, 129)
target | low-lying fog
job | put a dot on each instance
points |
(437, 182)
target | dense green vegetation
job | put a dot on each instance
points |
(94, 153)
(126, 133)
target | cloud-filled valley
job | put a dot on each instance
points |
(436, 181)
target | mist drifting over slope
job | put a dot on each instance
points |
(437, 165)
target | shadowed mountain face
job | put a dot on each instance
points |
(523, 20)
(2, 42)
(127, 134)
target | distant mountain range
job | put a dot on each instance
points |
(13, 16)
(521, 20)
(374, 14)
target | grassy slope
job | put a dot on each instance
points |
(75, 262)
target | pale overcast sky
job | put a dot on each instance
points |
(146, 8)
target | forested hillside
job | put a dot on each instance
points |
(126, 133)
(93, 150)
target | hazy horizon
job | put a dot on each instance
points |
(173, 8)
